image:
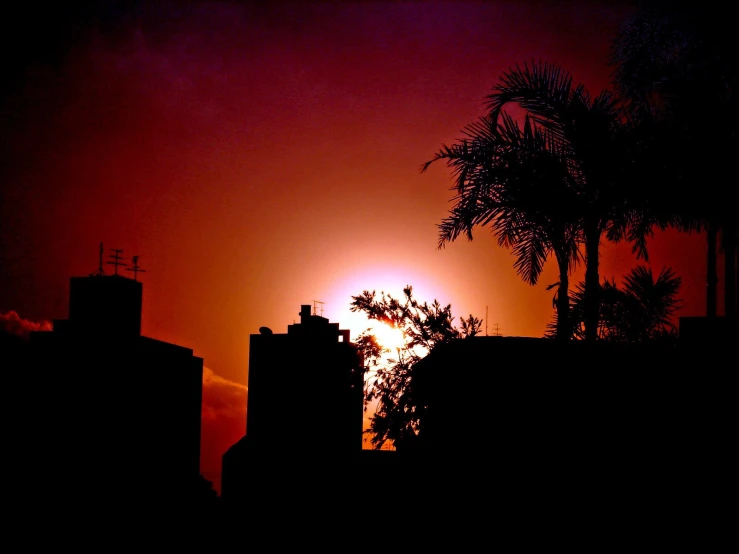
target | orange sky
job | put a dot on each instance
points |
(259, 158)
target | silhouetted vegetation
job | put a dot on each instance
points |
(613, 166)
(552, 188)
(398, 416)
(640, 311)
(515, 181)
(675, 67)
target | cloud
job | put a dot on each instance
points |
(221, 397)
(13, 324)
(223, 421)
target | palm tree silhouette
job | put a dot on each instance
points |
(672, 64)
(641, 311)
(516, 182)
(590, 140)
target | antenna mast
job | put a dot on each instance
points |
(135, 268)
(117, 259)
(99, 270)
(315, 309)
(486, 321)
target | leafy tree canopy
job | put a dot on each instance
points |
(388, 380)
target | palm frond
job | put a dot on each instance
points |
(543, 89)
(531, 251)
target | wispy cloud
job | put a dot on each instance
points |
(222, 397)
(223, 421)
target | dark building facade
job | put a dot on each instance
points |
(505, 419)
(119, 413)
(599, 422)
(304, 408)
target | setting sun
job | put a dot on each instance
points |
(389, 337)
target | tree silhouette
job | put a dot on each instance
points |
(593, 134)
(516, 181)
(398, 417)
(672, 63)
(589, 139)
(641, 311)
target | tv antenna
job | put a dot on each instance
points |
(315, 309)
(117, 259)
(486, 321)
(99, 271)
(135, 268)
(497, 330)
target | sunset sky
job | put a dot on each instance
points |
(259, 156)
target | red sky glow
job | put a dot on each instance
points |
(259, 156)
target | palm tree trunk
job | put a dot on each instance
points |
(711, 271)
(730, 247)
(564, 329)
(592, 281)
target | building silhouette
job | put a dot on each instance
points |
(603, 422)
(503, 418)
(304, 410)
(116, 417)
(118, 413)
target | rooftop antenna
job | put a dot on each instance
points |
(314, 307)
(117, 259)
(486, 321)
(99, 271)
(135, 268)
(497, 330)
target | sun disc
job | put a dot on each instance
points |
(388, 336)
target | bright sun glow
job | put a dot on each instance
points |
(378, 278)
(388, 337)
